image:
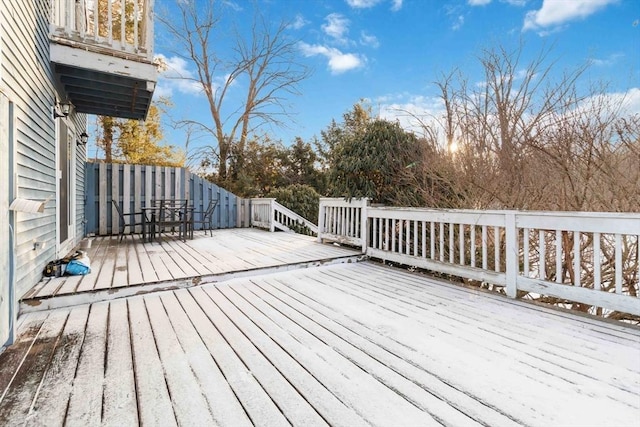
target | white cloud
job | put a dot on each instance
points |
(177, 77)
(458, 23)
(606, 62)
(555, 13)
(362, 4)
(298, 22)
(339, 62)
(631, 101)
(369, 40)
(336, 27)
(411, 111)
(396, 5)
(233, 5)
(486, 2)
(628, 102)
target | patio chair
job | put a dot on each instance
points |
(205, 218)
(123, 223)
(174, 214)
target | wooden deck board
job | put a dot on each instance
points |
(225, 407)
(257, 404)
(18, 397)
(346, 344)
(190, 405)
(85, 403)
(154, 402)
(261, 365)
(120, 407)
(51, 403)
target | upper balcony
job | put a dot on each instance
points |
(102, 55)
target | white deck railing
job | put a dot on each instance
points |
(122, 26)
(341, 221)
(269, 214)
(584, 257)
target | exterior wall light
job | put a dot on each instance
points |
(61, 110)
(84, 138)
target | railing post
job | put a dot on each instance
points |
(272, 215)
(364, 231)
(321, 220)
(148, 43)
(511, 257)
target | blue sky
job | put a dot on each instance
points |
(390, 52)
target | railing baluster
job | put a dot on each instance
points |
(136, 24)
(576, 259)
(525, 250)
(461, 240)
(441, 242)
(415, 238)
(399, 236)
(597, 264)
(432, 240)
(559, 277)
(485, 248)
(387, 235)
(123, 23)
(496, 248)
(424, 239)
(374, 229)
(542, 274)
(618, 261)
(110, 22)
(451, 242)
(472, 246)
(393, 235)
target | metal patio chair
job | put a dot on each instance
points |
(205, 218)
(123, 223)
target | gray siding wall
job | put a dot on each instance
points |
(25, 76)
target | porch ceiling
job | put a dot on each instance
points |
(100, 84)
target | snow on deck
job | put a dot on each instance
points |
(345, 345)
(132, 262)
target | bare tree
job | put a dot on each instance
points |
(263, 64)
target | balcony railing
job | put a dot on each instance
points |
(102, 55)
(123, 27)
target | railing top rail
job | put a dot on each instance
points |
(313, 227)
(595, 222)
(85, 24)
(333, 201)
(521, 213)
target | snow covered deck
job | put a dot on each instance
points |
(340, 344)
(132, 266)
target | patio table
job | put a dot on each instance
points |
(163, 214)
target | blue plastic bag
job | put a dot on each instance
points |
(77, 268)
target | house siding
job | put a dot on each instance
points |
(27, 80)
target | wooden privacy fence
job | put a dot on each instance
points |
(134, 186)
(585, 257)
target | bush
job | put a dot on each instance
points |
(300, 198)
